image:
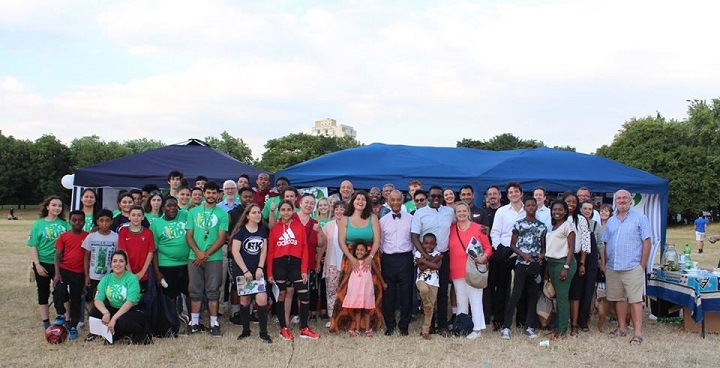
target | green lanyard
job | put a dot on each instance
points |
(207, 220)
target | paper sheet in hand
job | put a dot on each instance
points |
(248, 288)
(98, 328)
(276, 291)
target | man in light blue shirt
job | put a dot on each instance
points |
(627, 249)
(543, 212)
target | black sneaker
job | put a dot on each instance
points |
(265, 338)
(235, 319)
(215, 331)
(700, 250)
(193, 329)
(254, 319)
(244, 334)
(90, 337)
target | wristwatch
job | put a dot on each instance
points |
(566, 267)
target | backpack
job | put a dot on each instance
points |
(463, 325)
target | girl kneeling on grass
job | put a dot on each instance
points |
(360, 297)
(288, 261)
(116, 303)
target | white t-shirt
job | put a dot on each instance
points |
(430, 277)
(101, 248)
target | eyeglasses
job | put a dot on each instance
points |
(435, 195)
(228, 189)
(420, 199)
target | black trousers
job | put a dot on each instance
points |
(71, 289)
(133, 323)
(525, 285)
(592, 268)
(498, 290)
(398, 273)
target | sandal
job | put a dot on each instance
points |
(369, 333)
(584, 329)
(354, 333)
(618, 333)
(574, 330)
(636, 340)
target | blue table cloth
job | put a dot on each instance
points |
(699, 294)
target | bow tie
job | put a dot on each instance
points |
(396, 215)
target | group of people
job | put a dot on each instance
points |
(356, 257)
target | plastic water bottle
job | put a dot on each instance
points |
(688, 260)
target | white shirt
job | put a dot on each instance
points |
(505, 218)
(436, 221)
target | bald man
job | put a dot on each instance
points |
(346, 191)
(627, 249)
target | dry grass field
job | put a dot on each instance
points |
(23, 343)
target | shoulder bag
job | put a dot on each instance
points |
(476, 275)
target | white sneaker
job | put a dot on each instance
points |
(295, 319)
(505, 334)
(530, 333)
(327, 325)
(473, 335)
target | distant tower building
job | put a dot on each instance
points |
(330, 128)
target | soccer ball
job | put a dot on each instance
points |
(56, 334)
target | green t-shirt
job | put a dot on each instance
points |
(88, 223)
(116, 212)
(206, 223)
(170, 242)
(150, 217)
(322, 222)
(43, 235)
(118, 290)
(268, 204)
(410, 206)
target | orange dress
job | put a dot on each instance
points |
(343, 318)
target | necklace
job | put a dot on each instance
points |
(207, 220)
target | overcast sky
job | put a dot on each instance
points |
(402, 72)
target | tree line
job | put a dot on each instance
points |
(681, 151)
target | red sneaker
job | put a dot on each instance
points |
(307, 333)
(286, 334)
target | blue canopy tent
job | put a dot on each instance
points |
(192, 158)
(555, 170)
(378, 164)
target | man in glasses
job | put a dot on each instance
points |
(420, 200)
(436, 218)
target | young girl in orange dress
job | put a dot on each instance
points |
(360, 297)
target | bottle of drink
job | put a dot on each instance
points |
(688, 260)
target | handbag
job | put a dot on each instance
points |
(476, 275)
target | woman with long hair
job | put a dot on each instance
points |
(116, 303)
(125, 202)
(323, 213)
(581, 251)
(358, 225)
(288, 262)
(249, 251)
(90, 206)
(43, 235)
(153, 207)
(449, 197)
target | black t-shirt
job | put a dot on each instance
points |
(120, 221)
(251, 245)
(490, 212)
(479, 216)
